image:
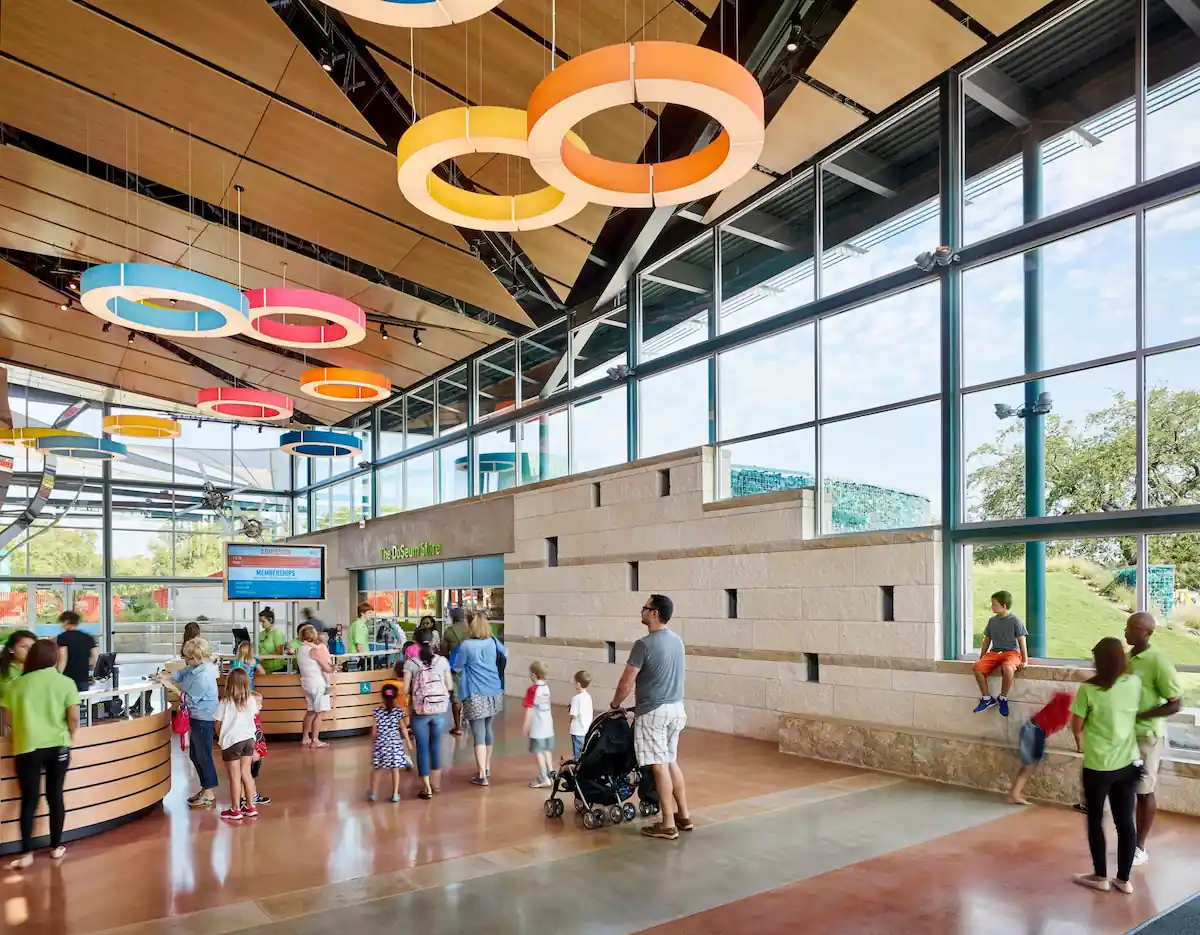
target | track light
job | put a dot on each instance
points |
(74, 286)
(417, 336)
(383, 332)
(129, 340)
(326, 61)
(63, 307)
(107, 327)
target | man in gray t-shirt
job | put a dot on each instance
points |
(656, 664)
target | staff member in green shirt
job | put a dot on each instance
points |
(42, 710)
(12, 658)
(1161, 693)
(358, 640)
(1106, 710)
(271, 641)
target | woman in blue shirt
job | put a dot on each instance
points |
(197, 683)
(478, 664)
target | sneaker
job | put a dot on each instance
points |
(479, 781)
(1093, 882)
(250, 812)
(1003, 702)
(262, 799)
(1123, 886)
(657, 830)
(232, 814)
(1080, 807)
(984, 703)
(396, 797)
(371, 797)
(1139, 857)
(541, 784)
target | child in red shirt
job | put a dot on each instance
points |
(1032, 742)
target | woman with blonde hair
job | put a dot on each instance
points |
(196, 686)
(315, 666)
(479, 670)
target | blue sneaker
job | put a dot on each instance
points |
(984, 704)
(1004, 707)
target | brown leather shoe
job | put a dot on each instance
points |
(657, 830)
(684, 824)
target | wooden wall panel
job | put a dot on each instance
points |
(883, 49)
(86, 815)
(1000, 15)
(131, 70)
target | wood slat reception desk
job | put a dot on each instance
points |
(120, 769)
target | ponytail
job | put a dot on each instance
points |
(426, 654)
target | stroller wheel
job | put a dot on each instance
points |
(589, 821)
(644, 808)
(628, 811)
(558, 808)
(579, 807)
(616, 815)
(598, 817)
(551, 808)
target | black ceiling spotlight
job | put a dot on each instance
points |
(129, 340)
(107, 327)
(417, 336)
(383, 331)
(326, 60)
(63, 307)
(72, 285)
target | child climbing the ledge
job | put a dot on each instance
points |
(1003, 646)
(1031, 745)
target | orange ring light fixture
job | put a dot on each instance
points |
(135, 426)
(416, 14)
(667, 72)
(344, 383)
(460, 131)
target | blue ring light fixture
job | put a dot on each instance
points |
(127, 294)
(82, 447)
(415, 14)
(317, 443)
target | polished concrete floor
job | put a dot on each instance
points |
(781, 845)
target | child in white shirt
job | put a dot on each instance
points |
(235, 734)
(581, 712)
(539, 724)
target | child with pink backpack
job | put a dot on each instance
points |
(428, 683)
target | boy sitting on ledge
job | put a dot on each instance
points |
(1003, 646)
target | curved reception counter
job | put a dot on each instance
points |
(355, 695)
(120, 770)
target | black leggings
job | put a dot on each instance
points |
(1119, 787)
(54, 761)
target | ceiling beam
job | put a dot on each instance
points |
(865, 171)
(323, 31)
(1188, 11)
(1000, 94)
(765, 229)
(682, 275)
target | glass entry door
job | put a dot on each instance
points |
(44, 601)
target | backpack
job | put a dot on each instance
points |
(181, 720)
(429, 694)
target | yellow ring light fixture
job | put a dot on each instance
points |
(460, 131)
(29, 436)
(135, 426)
(416, 14)
(666, 72)
(343, 383)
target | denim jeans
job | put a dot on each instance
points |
(200, 749)
(427, 734)
(576, 745)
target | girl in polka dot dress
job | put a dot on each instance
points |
(387, 742)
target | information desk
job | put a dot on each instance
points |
(355, 695)
(120, 770)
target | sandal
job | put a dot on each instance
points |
(425, 794)
(320, 745)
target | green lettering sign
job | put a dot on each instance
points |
(399, 553)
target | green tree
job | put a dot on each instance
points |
(59, 551)
(1091, 469)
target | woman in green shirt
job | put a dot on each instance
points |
(358, 640)
(1105, 728)
(271, 641)
(12, 659)
(43, 714)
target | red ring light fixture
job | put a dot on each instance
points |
(346, 323)
(244, 403)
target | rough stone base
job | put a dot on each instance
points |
(962, 761)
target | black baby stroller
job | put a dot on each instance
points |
(605, 776)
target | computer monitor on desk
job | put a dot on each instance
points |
(240, 635)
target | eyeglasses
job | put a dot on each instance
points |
(647, 610)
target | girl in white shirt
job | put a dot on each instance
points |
(235, 733)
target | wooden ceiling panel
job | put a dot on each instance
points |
(461, 275)
(748, 185)
(130, 69)
(305, 148)
(558, 255)
(883, 49)
(671, 24)
(308, 84)
(56, 240)
(584, 25)
(105, 131)
(1000, 15)
(388, 301)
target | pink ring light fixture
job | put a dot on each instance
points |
(244, 403)
(345, 323)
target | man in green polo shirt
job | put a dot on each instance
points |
(1160, 699)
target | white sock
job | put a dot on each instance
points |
(1003, 698)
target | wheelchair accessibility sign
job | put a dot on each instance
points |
(364, 688)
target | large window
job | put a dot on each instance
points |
(674, 410)
(676, 297)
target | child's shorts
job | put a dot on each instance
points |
(541, 744)
(1031, 744)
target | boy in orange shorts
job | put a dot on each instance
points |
(1003, 647)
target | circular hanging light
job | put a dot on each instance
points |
(125, 294)
(666, 72)
(460, 131)
(244, 403)
(319, 443)
(29, 436)
(415, 14)
(346, 323)
(83, 448)
(344, 383)
(135, 426)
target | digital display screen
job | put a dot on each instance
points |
(274, 572)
